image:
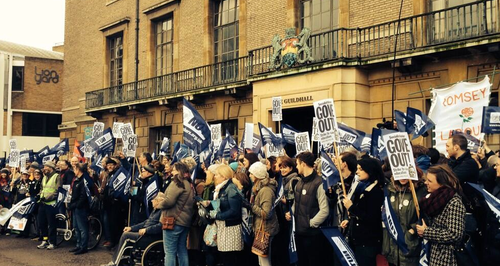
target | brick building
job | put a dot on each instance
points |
(217, 54)
(32, 85)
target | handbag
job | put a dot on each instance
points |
(464, 253)
(260, 246)
(168, 222)
(210, 235)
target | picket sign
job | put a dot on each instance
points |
(277, 113)
(116, 130)
(98, 129)
(130, 145)
(302, 142)
(248, 144)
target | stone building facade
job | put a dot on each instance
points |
(217, 53)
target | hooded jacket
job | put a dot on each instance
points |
(263, 206)
(179, 203)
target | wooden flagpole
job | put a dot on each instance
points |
(415, 199)
(337, 157)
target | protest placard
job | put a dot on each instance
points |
(400, 155)
(116, 130)
(327, 121)
(302, 142)
(14, 158)
(216, 131)
(248, 136)
(13, 144)
(97, 129)
(130, 145)
(126, 130)
(277, 109)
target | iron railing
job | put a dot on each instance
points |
(449, 25)
(421, 31)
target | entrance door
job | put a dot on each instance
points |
(300, 118)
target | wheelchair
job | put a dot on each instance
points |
(146, 251)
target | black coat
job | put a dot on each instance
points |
(79, 199)
(465, 168)
(365, 217)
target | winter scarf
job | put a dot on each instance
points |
(434, 203)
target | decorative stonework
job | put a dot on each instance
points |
(291, 49)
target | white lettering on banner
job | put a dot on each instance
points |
(315, 133)
(119, 180)
(273, 151)
(346, 254)
(302, 143)
(400, 155)
(116, 130)
(458, 108)
(390, 221)
(151, 189)
(126, 129)
(48, 158)
(277, 109)
(327, 121)
(130, 145)
(347, 136)
(88, 151)
(194, 128)
(103, 139)
(216, 131)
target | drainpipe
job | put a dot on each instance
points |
(136, 46)
(9, 100)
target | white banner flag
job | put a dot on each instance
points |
(460, 108)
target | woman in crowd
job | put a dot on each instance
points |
(21, 188)
(365, 227)
(79, 205)
(264, 190)
(271, 167)
(290, 177)
(401, 200)
(227, 216)
(248, 160)
(178, 203)
(445, 215)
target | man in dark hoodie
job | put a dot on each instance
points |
(461, 162)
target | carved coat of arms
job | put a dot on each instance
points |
(291, 49)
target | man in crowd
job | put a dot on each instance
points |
(461, 162)
(310, 210)
(47, 206)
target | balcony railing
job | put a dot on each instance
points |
(214, 75)
(451, 25)
(438, 27)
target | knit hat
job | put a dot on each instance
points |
(5, 171)
(50, 164)
(234, 166)
(24, 172)
(212, 168)
(259, 170)
(35, 165)
(149, 168)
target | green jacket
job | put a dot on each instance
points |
(407, 217)
(263, 204)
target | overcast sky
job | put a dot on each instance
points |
(37, 23)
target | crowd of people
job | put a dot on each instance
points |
(202, 216)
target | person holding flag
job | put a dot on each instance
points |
(47, 209)
(365, 215)
(444, 225)
(401, 200)
(79, 206)
(310, 210)
(141, 207)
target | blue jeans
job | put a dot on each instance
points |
(81, 225)
(174, 244)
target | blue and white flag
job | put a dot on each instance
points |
(38, 156)
(268, 137)
(28, 154)
(61, 196)
(280, 191)
(120, 184)
(473, 144)
(342, 250)
(23, 204)
(292, 246)
(491, 120)
(25, 208)
(329, 171)
(288, 133)
(351, 136)
(197, 134)
(424, 253)
(377, 148)
(105, 143)
(392, 224)
(60, 148)
(181, 151)
(492, 201)
(89, 183)
(400, 120)
(151, 192)
(366, 143)
(417, 123)
(227, 147)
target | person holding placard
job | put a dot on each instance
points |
(444, 228)
(365, 215)
(401, 200)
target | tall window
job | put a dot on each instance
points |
(18, 78)
(115, 43)
(226, 33)
(164, 46)
(320, 15)
(157, 134)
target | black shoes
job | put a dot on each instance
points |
(80, 251)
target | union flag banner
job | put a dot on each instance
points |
(458, 108)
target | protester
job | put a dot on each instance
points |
(47, 210)
(248, 160)
(461, 162)
(364, 210)
(264, 189)
(79, 206)
(445, 215)
(310, 210)
(491, 241)
(110, 205)
(348, 168)
(178, 203)
(150, 228)
(21, 188)
(139, 207)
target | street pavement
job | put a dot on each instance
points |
(23, 252)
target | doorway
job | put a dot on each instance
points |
(300, 118)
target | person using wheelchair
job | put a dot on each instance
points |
(150, 227)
